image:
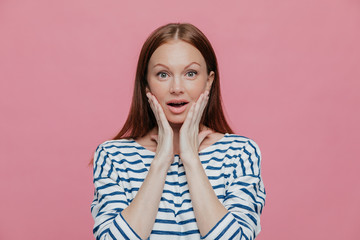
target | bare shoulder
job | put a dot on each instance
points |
(216, 136)
(211, 139)
(147, 142)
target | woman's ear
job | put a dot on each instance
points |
(210, 80)
(147, 90)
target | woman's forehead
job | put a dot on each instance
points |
(176, 53)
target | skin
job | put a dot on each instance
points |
(179, 134)
(177, 70)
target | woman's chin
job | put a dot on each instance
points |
(176, 118)
(176, 121)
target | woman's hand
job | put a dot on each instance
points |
(165, 137)
(190, 138)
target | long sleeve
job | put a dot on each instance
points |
(244, 198)
(109, 200)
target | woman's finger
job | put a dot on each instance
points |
(162, 117)
(202, 107)
(159, 112)
(199, 113)
(188, 119)
(153, 107)
(196, 110)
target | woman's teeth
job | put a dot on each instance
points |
(177, 104)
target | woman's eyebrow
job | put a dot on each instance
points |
(159, 64)
(192, 64)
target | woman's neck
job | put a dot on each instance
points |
(176, 135)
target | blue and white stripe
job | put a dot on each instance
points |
(232, 165)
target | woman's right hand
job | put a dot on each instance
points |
(165, 148)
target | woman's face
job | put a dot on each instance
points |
(177, 76)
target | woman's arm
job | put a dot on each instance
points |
(239, 217)
(114, 216)
(136, 219)
(142, 211)
(207, 207)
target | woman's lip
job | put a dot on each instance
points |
(177, 110)
(177, 101)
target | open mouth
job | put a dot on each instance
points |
(180, 104)
(177, 106)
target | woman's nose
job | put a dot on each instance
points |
(176, 86)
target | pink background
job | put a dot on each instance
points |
(290, 79)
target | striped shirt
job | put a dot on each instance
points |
(232, 165)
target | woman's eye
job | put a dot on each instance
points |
(191, 73)
(162, 74)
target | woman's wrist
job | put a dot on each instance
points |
(191, 164)
(159, 165)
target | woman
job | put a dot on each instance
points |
(176, 170)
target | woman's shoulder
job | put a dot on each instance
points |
(227, 143)
(239, 139)
(116, 144)
(240, 142)
(246, 144)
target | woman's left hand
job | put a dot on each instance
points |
(190, 138)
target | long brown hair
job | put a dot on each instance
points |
(141, 118)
